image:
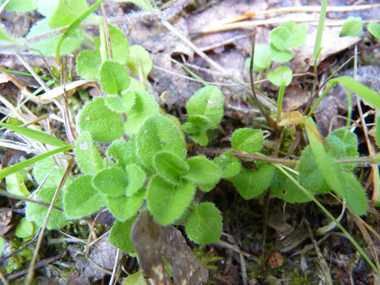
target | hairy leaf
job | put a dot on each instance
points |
(88, 64)
(247, 140)
(120, 235)
(204, 226)
(123, 208)
(112, 181)
(82, 199)
(103, 124)
(251, 183)
(169, 166)
(159, 134)
(87, 157)
(228, 163)
(139, 61)
(136, 178)
(122, 104)
(202, 170)
(166, 202)
(114, 77)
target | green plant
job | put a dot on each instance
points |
(147, 164)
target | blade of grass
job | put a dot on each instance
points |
(36, 135)
(350, 238)
(12, 169)
(318, 39)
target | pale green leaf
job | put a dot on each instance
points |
(2, 242)
(103, 124)
(144, 107)
(25, 229)
(190, 128)
(159, 134)
(200, 137)
(251, 183)
(280, 55)
(288, 35)
(48, 46)
(21, 5)
(114, 77)
(281, 75)
(66, 13)
(248, 140)
(87, 157)
(204, 226)
(43, 168)
(82, 199)
(136, 178)
(123, 208)
(346, 143)
(207, 102)
(139, 61)
(120, 235)
(202, 170)
(352, 26)
(169, 166)
(15, 185)
(112, 181)
(261, 57)
(119, 44)
(374, 29)
(135, 279)
(166, 202)
(122, 104)
(88, 64)
(228, 163)
(37, 213)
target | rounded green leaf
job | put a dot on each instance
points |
(15, 185)
(26, 229)
(228, 163)
(374, 29)
(159, 134)
(261, 60)
(120, 235)
(123, 208)
(122, 104)
(204, 226)
(281, 75)
(288, 35)
(286, 190)
(352, 26)
(81, 198)
(166, 202)
(136, 178)
(248, 140)
(202, 170)
(279, 55)
(139, 61)
(103, 124)
(112, 181)
(251, 183)
(207, 102)
(114, 77)
(144, 107)
(37, 213)
(346, 143)
(169, 166)
(88, 64)
(87, 157)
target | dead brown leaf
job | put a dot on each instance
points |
(153, 241)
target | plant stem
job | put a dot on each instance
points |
(279, 101)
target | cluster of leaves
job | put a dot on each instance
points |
(146, 165)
